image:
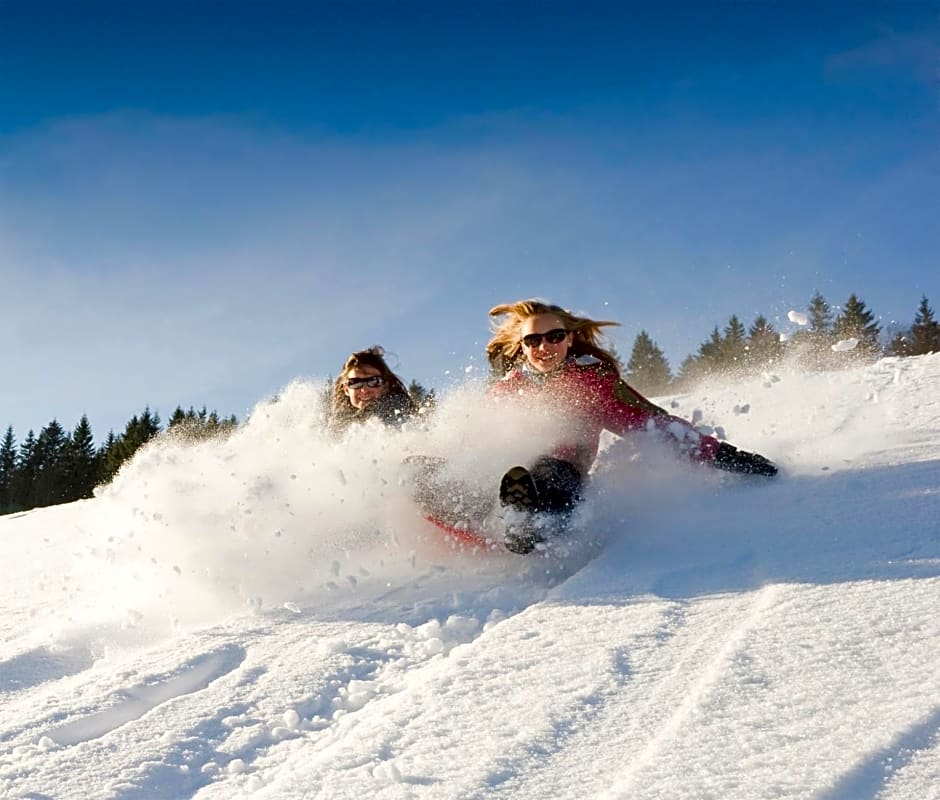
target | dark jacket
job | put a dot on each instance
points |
(391, 409)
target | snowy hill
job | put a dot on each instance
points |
(268, 616)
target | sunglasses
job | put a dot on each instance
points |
(373, 382)
(554, 336)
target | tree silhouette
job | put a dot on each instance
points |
(48, 483)
(117, 450)
(733, 348)
(900, 344)
(648, 370)
(707, 361)
(81, 464)
(7, 471)
(925, 332)
(813, 346)
(820, 315)
(763, 345)
(857, 322)
(26, 471)
(109, 460)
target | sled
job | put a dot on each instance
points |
(464, 537)
(483, 531)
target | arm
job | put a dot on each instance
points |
(649, 416)
(632, 411)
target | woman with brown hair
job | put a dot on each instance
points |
(540, 351)
(366, 388)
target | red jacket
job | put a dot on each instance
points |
(592, 394)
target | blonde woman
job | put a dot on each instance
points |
(366, 388)
(542, 351)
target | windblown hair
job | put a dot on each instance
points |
(504, 350)
(343, 411)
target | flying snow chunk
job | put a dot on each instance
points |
(845, 345)
(798, 317)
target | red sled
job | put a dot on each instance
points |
(465, 537)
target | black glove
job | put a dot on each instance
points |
(522, 542)
(729, 458)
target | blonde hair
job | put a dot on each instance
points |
(372, 357)
(504, 350)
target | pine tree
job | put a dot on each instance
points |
(138, 432)
(820, 315)
(150, 424)
(648, 370)
(7, 471)
(117, 450)
(710, 352)
(109, 458)
(49, 485)
(900, 344)
(690, 372)
(733, 346)
(925, 332)
(81, 463)
(26, 471)
(707, 361)
(763, 345)
(813, 346)
(177, 418)
(857, 322)
(127, 443)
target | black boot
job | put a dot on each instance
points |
(558, 485)
(517, 490)
(551, 485)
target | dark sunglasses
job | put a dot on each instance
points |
(554, 336)
(373, 382)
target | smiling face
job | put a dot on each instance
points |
(361, 394)
(542, 353)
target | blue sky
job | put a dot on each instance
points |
(202, 201)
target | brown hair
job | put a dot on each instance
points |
(372, 357)
(504, 350)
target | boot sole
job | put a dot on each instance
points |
(517, 490)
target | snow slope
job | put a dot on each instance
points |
(268, 617)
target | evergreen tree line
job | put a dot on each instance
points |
(825, 342)
(57, 466)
